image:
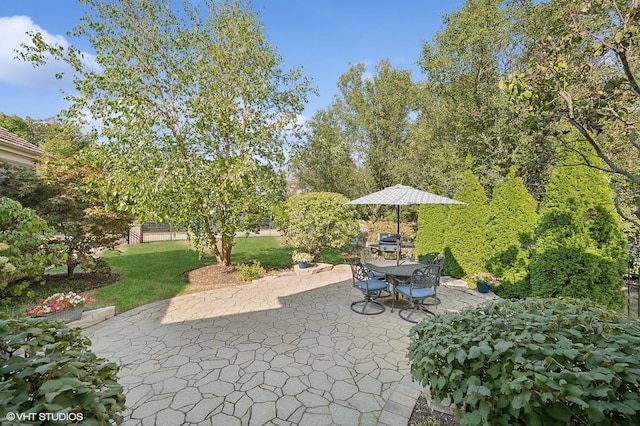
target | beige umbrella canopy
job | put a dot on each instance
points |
(401, 195)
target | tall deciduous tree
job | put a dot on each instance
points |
(581, 73)
(464, 64)
(193, 107)
(326, 161)
(378, 114)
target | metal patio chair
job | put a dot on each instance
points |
(370, 287)
(421, 286)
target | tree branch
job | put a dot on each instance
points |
(616, 201)
(613, 167)
(621, 48)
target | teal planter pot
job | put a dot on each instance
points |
(483, 287)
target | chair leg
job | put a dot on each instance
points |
(393, 299)
(378, 307)
(413, 309)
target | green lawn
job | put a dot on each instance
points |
(148, 272)
(153, 271)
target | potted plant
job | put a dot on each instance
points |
(60, 306)
(483, 281)
(302, 258)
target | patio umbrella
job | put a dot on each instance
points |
(401, 195)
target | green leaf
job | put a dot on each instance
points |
(503, 346)
(537, 337)
(559, 412)
(474, 352)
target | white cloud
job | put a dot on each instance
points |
(13, 33)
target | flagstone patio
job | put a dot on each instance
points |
(283, 350)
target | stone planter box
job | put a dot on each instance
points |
(66, 315)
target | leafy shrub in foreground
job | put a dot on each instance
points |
(532, 361)
(47, 368)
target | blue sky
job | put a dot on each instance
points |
(321, 36)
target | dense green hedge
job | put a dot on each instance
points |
(318, 220)
(433, 222)
(533, 361)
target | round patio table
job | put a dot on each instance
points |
(394, 271)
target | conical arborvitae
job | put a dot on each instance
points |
(512, 220)
(465, 241)
(432, 224)
(579, 249)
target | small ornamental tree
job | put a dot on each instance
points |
(509, 233)
(465, 236)
(76, 212)
(579, 249)
(25, 250)
(318, 220)
(533, 361)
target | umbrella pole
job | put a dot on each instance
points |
(399, 238)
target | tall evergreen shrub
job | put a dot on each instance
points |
(509, 231)
(433, 220)
(579, 248)
(465, 236)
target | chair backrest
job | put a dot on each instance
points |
(358, 271)
(432, 258)
(426, 277)
(368, 254)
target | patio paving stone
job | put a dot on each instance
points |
(283, 350)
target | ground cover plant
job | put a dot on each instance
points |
(534, 361)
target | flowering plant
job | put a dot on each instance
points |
(301, 257)
(58, 302)
(484, 277)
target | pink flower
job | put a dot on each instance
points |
(57, 303)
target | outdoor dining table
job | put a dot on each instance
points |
(393, 270)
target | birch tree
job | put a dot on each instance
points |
(194, 108)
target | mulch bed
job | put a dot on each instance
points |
(84, 281)
(211, 277)
(422, 413)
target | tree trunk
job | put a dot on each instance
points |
(226, 244)
(71, 268)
